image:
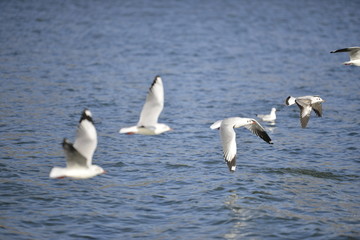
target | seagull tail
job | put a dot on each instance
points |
(129, 130)
(57, 172)
(290, 100)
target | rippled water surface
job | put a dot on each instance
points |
(217, 59)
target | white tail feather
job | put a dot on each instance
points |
(216, 125)
(57, 172)
(129, 130)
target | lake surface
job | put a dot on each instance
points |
(217, 59)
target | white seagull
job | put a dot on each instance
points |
(268, 117)
(79, 155)
(306, 104)
(228, 136)
(154, 104)
(354, 53)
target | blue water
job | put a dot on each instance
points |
(217, 59)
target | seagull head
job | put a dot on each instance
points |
(97, 169)
(319, 99)
(160, 128)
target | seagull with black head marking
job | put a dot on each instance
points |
(154, 104)
(354, 53)
(79, 155)
(228, 136)
(306, 104)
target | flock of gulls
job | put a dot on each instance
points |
(80, 153)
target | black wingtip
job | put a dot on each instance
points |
(265, 137)
(63, 143)
(232, 164)
(154, 81)
(86, 114)
(303, 125)
(341, 50)
(287, 100)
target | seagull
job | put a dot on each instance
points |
(228, 136)
(354, 53)
(154, 104)
(268, 117)
(79, 155)
(306, 104)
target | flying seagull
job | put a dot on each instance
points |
(154, 104)
(268, 117)
(306, 104)
(354, 53)
(228, 136)
(79, 155)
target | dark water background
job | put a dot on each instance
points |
(217, 59)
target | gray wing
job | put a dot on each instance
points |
(354, 52)
(317, 109)
(305, 110)
(73, 157)
(154, 104)
(259, 131)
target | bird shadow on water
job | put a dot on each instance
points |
(308, 172)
